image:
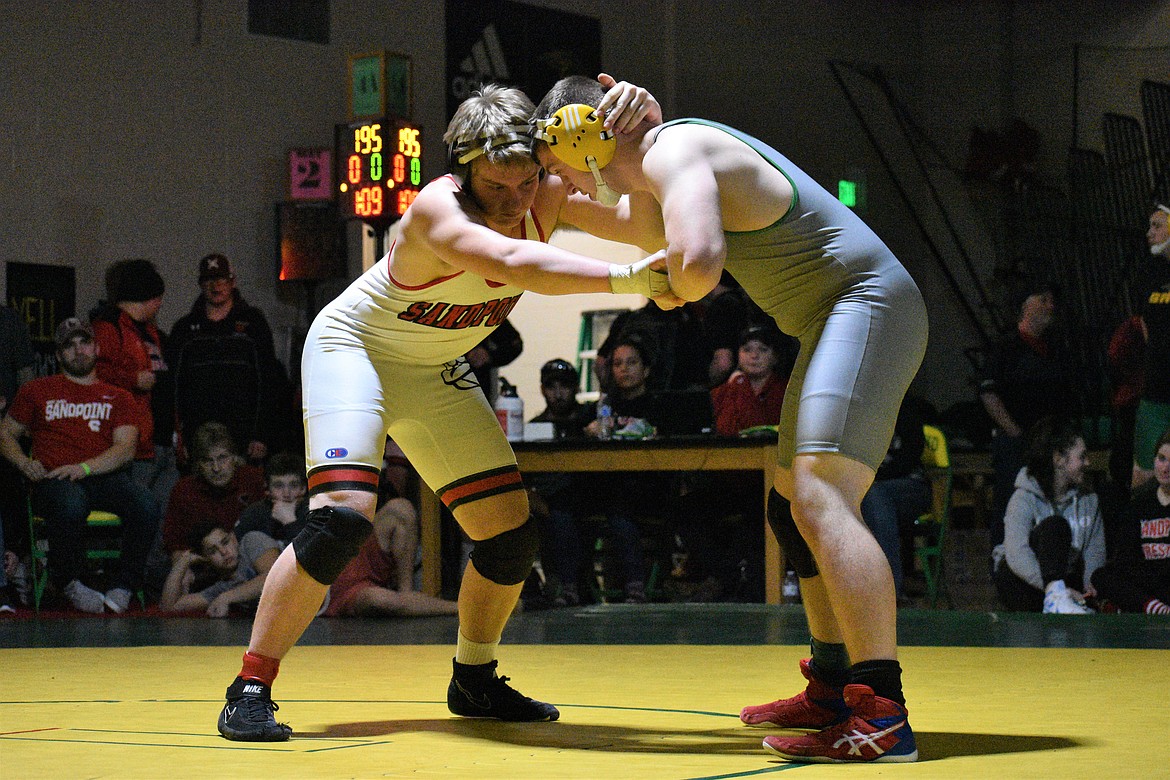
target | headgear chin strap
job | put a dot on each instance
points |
(576, 136)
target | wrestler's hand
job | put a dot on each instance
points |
(646, 277)
(668, 300)
(219, 608)
(625, 105)
(284, 512)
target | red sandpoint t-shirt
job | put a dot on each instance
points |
(71, 422)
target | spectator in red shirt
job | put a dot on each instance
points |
(754, 393)
(718, 519)
(130, 355)
(218, 490)
(84, 433)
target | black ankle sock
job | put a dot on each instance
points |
(830, 663)
(475, 670)
(885, 677)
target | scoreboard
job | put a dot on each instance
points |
(379, 168)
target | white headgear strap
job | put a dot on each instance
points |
(466, 151)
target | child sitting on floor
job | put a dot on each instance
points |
(236, 568)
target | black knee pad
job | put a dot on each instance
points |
(784, 528)
(330, 540)
(507, 558)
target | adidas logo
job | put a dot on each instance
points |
(485, 63)
(257, 690)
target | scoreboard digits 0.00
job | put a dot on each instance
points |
(379, 167)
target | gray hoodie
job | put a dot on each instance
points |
(1027, 507)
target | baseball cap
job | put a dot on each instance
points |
(215, 266)
(558, 370)
(72, 327)
(767, 334)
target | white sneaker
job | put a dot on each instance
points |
(117, 600)
(1059, 601)
(85, 599)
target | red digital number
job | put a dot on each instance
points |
(405, 198)
(367, 202)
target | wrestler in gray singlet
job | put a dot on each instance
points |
(827, 279)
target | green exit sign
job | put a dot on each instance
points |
(847, 192)
(851, 188)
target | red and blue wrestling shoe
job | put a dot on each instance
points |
(818, 706)
(877, 730)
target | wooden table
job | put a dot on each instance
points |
(674, 454)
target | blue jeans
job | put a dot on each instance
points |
(65, 505)
(890, 506)
(564, 545)
(1007, 458)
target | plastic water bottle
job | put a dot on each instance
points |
(510, 411)
(604, 418)
(791, 588)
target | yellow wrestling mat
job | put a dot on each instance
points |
(626, 712)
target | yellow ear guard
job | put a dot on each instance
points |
(574, 134)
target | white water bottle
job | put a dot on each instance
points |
(510, 411)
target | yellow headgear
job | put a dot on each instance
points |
(574, 134)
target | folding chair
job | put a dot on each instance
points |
(107, 522)
(931, 527)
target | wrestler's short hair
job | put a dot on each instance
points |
(569, 91)
(494, 119)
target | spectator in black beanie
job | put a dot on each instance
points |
(130, 355)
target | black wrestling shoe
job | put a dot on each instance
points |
(476, 692)
(247, 716)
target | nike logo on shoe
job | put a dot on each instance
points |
(856, 740)
(482, 701)
(229, 712)
(257, 690)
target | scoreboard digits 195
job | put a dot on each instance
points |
(379, 167)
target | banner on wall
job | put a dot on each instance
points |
(518, 45)
(43, 296)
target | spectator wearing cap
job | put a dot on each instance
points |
(753, 394)
(717, 518)
(559, 383)
(224, 363)
(555, 498)
(1025, 379)
(130, 355)
(84, 433)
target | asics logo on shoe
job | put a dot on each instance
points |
(258, 690)
(482, 701)
(856, 740)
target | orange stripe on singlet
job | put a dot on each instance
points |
(334, 477)
(489, 484)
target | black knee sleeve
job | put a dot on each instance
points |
(784, 528)
(330, 540)
(507, 558)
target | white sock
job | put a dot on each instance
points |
(468, 652)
